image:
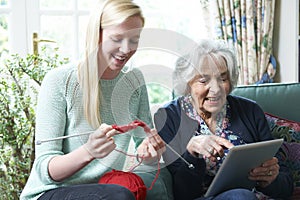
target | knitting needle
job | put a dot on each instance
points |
(190, 165)
(39, 142)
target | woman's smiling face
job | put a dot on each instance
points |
(210, 87)
(119, 43)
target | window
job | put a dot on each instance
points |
(55, 20)
(64, 22)
(182, 19)
(4, 10)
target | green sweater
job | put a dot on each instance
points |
(60, 112)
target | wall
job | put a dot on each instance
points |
(285, 40)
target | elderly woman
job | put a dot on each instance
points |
(205, 119)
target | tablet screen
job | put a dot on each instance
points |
(240, 159)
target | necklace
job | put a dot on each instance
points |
(205, 115)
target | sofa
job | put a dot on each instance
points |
(280, 102)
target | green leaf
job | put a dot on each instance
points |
(17, 115)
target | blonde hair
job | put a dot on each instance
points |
(107, 13)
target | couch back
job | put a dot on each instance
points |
(280, 99)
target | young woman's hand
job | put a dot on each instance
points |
(152, 147)
(101, 142)
(99, 145)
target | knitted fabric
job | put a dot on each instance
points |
(60, 113)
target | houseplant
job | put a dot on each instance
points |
(20, 79)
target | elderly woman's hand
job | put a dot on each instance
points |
(266, 173)
(208, 146)
(151, 148)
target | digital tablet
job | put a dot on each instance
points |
(240, 159)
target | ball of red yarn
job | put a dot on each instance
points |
(127, 179)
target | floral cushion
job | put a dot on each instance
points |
(290, 131)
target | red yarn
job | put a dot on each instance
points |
(132, 125)
(127, 179)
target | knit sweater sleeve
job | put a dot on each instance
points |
(50, 119)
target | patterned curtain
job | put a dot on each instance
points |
(248, 25)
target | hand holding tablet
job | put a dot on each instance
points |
(240, 160)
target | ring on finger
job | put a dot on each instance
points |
(211, 150)
(270, 173)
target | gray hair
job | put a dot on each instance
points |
(189, 66)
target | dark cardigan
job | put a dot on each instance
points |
(176, 128)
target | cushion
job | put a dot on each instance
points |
(283, 128)
(290, 131)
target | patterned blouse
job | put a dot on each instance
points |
(222, 129)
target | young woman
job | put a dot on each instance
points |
(87, 98)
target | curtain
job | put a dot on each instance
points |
(248, 26)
